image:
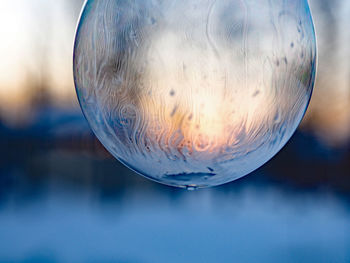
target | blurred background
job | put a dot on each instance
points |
(63, 198)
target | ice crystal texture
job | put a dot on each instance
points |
(194, 93)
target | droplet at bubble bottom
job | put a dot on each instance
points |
(194, 93)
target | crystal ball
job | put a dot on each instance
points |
(194, 93)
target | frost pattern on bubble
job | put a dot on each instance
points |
(194, 93)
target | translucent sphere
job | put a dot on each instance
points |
(194, 93)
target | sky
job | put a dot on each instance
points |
(36, 49)
(36, 44)
(329, 113)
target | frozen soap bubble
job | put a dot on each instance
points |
(194, 93)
